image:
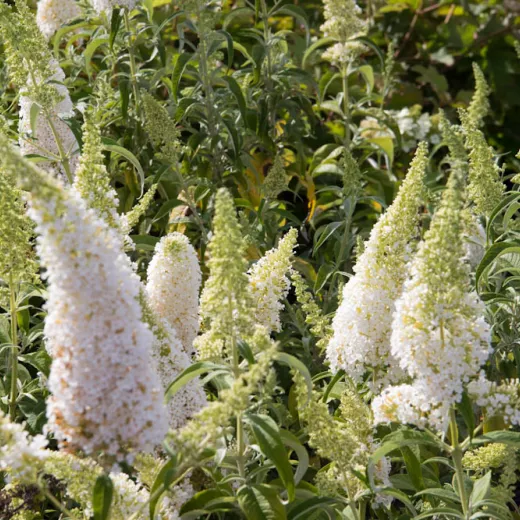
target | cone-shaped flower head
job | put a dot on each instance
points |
(276, 180)
(485, 188)
(52, 14)
(130, 219)
(363, 323)
(173, 286)
(439, 333)
(343, 23)
(44, 99)
(269, 282)
(170, 360)
(107, 5)
(92, 181)
(226, 301)
(106, 396)
(161, 129)
(351, 429)
(16, 255)
(479, 106)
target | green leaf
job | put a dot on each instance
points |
(296, 364)
(386, 144)
(239, 96)
(92, 47)
(268, 437)
(440, 511)
(413, 467)
(102, 497)
(193, 371)
(465, 407)
(444, 494)
(302, 511)
(294, 443)
(34, 114)
(402, 497)
(178, 70)
(500, 436)
(492, 254)
(260, 502)
(368, 73)
(481, 489)
(230, 50)
(316, 45)
(111, 146)
(115, 24)
(163, 480)
(401, 438)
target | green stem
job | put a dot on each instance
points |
(133, 67)
(63, 155)
(14, 350)
(346, 106)
(55, 502)
(456, 454)
(267, 38)
(239, 424)
(350, 496)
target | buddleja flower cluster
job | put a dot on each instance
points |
(363, 323)
(52, 14)
(440, 336)
(269, 283)
(93, 315)
(44, 100)
(174, 276)
(343, 23)
(106, 6)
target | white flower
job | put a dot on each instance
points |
(105, 393)
(439, 333)
(363, 322)
(52, 14)
(269, 283)
(129, 498)
(21, 455)
(170, 360)
(107, 5)
(398, 404)
(498, 400)
(43, 141)
(173, 286)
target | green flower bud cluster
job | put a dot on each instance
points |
(485, 189)
(350, 428)
(207, 426)
(27, 54)
(225, 303)
(161, 129)
(17, 259)
(479, 106)
(92, 181)
(130, 219)
(319, 324)
(276, 179)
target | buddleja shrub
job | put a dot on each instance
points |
(238, 281)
